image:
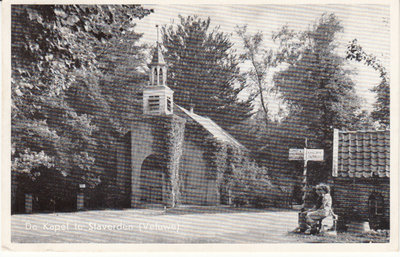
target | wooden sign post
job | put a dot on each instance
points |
(305, 155)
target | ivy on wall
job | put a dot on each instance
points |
(238, 179)
(220, 158)
(176, 144)
(168, 135)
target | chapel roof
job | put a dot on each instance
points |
(362, 154)
(211, 127)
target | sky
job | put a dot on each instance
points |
(369, 24)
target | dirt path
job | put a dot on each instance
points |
(154, 226)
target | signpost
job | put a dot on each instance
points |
(306, 154)
(298, 154)
(314, 154)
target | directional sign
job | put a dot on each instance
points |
(305, 155)
(296, 154)
(315, 154)
(310, 154)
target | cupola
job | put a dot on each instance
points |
(157, 96)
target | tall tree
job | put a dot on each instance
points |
(260, 60)
(316, 85)
(203, 70)
(381, 112)
(58, 108)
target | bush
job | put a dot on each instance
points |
(251, 185)
(51, 190)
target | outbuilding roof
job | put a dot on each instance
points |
(211, 127)
(361, 154)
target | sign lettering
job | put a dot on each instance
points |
(309, 154)
(296, 154)
(315, 154)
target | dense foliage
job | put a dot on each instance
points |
(62, 118)
(317, 90)
(77, 75)
(381, 112)
(203, 70)
(315, 83)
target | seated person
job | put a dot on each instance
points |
(313, 216)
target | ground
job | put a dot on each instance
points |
(181, 225)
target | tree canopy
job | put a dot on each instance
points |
(316, 84)
(203, 70)
(62, 114)
(317, 89)
(381, 112)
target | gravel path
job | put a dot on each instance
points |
(155, 226)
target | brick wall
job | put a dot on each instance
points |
(350, 197)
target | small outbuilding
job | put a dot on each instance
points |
(361, 176)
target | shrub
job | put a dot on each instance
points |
(251, 185)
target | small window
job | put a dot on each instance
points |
(154, 103)
(169, 104)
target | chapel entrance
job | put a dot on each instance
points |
(152, 180)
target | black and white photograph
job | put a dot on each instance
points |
(201, 124)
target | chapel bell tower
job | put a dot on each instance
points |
(157, 96)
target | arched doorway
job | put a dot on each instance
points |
(152, 180)
(375, 209)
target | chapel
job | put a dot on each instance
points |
(168, 157)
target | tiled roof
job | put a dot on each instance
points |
(211, 127)
(361, 154)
